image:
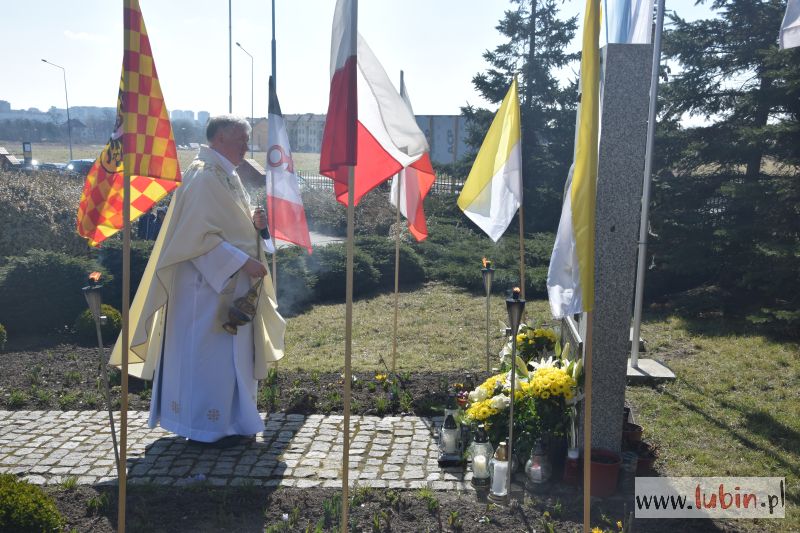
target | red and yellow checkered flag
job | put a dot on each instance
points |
(142, 138)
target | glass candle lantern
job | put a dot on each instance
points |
(572, 467)
(450, 434)
(481, 452)
(450, 441)
(538, 469)
(499, 470)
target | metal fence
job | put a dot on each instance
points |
(442, 185)
(312, 180)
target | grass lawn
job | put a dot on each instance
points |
(439, 328)
(733, 411)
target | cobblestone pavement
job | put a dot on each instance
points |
(293, 451)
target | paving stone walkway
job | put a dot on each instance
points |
(294, 451)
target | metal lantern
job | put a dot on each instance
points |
(481, 452)
(488, 275)
(501, 476)
(538, 469)
(94, 299)
(516, 307)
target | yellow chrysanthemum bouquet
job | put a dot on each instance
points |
(532, 343)
(542, 401)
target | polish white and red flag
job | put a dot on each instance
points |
(286, 215)
(414, 181)
(377, 136)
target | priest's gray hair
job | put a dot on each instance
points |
(224, 122)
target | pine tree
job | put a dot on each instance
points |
(534, 50)
(727, 201)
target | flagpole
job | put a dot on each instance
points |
(396, 266)
(271, 193)
(122, 476)
(274, 48)
(648, 165)
(348, 344)
(521, 249)
(230, 58)
(397, 255)
(587, 425)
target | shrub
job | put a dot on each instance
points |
(110, 256)
(382, 251)
(325, 214)
(38, 210)
(459, 264)
(295, 283)
(3, 337)
(26, 508)
(328, 265)
(86, 331)
(374, 215)
(41, 291)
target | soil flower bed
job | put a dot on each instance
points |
(62, 376)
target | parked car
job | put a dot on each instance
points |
(53, 167)
(79, 167)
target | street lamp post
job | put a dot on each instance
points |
(252, 119)
(66, 97)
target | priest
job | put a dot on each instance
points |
(210, 251)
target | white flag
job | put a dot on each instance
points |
(790, 29)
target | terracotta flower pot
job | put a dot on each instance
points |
(647, 456)
(605, 472)
(631, 433)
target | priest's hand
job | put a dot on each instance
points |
(260, 218)
(254, 269)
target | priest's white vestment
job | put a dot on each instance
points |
(205, 380)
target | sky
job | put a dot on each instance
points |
(438, 44)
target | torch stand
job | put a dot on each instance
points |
(488, 274)
(93, 298)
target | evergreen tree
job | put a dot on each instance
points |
(534, 50)
(727, 200)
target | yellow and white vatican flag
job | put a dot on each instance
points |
(493, 190)
(570, 278)
(790, 28)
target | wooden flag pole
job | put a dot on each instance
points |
(123, 407)
(275, 267)
(127, 165)
(521, 255)
(587, 425)
(396, 273)
(348, 345)
(272, 232)
(397, 254)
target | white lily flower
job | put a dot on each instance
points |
(517, 381)
(478, 395)
(544, 363)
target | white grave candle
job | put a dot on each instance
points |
(479, 467)
(499, 478)
(449, 441)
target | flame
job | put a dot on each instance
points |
(95, 276)
(486, 263)
(516, 291)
